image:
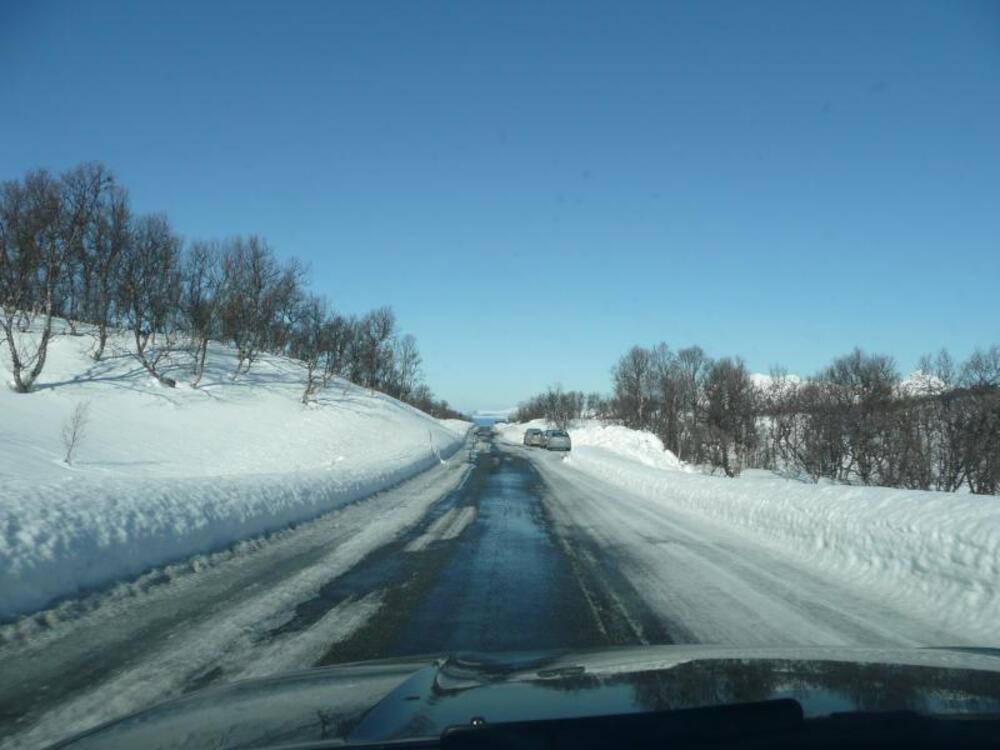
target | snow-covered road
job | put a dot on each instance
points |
(705, 582)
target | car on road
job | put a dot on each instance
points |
(557, 440)
(534, 436)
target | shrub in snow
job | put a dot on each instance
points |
(75, 428)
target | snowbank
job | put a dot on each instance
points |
(929, 552)
(642, 447)
(163, 474)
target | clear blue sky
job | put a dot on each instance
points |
(537, 186)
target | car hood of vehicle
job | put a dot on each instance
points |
(421, 696)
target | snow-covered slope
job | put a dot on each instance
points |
(934, 553)
(163, 473)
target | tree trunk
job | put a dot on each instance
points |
(199, 365)
(102, 340)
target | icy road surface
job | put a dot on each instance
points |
(707, 583)
(499, 548)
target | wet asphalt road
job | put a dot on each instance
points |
(505, 583)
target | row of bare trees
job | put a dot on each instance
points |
(702, 409)
(561, 408)
(857, 420)
(71, 248)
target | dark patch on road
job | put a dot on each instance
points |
(504, 584)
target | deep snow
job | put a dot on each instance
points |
(163, 474)
(934, 554)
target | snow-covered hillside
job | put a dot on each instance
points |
(164, 473)
(934, 553)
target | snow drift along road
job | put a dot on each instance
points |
(163, 474)
(934, 554)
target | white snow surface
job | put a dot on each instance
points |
(934, 554)
(166, 473)
(594, 437)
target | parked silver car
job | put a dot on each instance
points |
(557, 440)
(534, 436)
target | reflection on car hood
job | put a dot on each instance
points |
(420, 697)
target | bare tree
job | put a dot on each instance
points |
(632, 377)
(374, 353)
(692, 367)
(309, 343)
(150, 292)
(864, 385)
(35, 237)
(200, 299)
(282, 306)
(259, 299)
(112, 234)
(248, 271)
(558, 409)
(667, 392)
(75, 428)
(340, 340)
(406, 367)
(85, 189)
(980, 378)
(730, 414)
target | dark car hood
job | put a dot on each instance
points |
(420, 697)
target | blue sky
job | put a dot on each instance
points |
(537, 186)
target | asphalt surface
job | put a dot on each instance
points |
(506, 583)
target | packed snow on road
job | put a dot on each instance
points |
(933, 555)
